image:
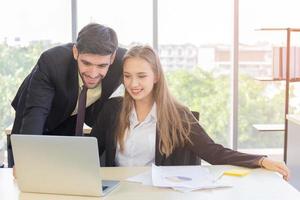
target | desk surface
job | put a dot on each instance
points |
(259, 184)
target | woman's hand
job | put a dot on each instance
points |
(277, 166)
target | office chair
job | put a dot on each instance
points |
(195, 160)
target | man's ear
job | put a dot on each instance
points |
(75, 52)
(113, 56)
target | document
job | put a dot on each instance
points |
(181, 178)
(144, 178)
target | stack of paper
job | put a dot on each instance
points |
(182, 178)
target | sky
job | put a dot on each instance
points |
(180, 21)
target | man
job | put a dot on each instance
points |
(47, 101)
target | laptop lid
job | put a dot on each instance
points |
(57, 164)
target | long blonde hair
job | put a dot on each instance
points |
(173, 119)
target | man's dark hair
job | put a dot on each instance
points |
(97, 39)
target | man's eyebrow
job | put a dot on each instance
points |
(100, 65)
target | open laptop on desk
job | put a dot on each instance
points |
(59, 165)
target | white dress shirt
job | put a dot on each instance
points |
(139, 145)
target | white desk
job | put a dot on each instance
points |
(259, 184)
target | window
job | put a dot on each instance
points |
(131, 19)
(25, 32)
(262, 102)
(195, 78)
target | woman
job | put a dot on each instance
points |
(150, 126)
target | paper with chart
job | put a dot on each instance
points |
(182, 178)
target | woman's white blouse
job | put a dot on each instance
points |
(139, 141)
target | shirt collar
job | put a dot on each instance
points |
(80, 81)
(151, 117)
(153, 112)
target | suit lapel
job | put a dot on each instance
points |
(74, 87)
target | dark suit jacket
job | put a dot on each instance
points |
(203, 146)
(48, 95)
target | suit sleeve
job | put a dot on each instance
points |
(203, 146)
(104, 128)
(99, 129)
(39, 98)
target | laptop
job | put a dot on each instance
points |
(59, 165)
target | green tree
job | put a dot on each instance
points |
(256, 106)
(201, 92)
(210, 95)
(15, 63)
